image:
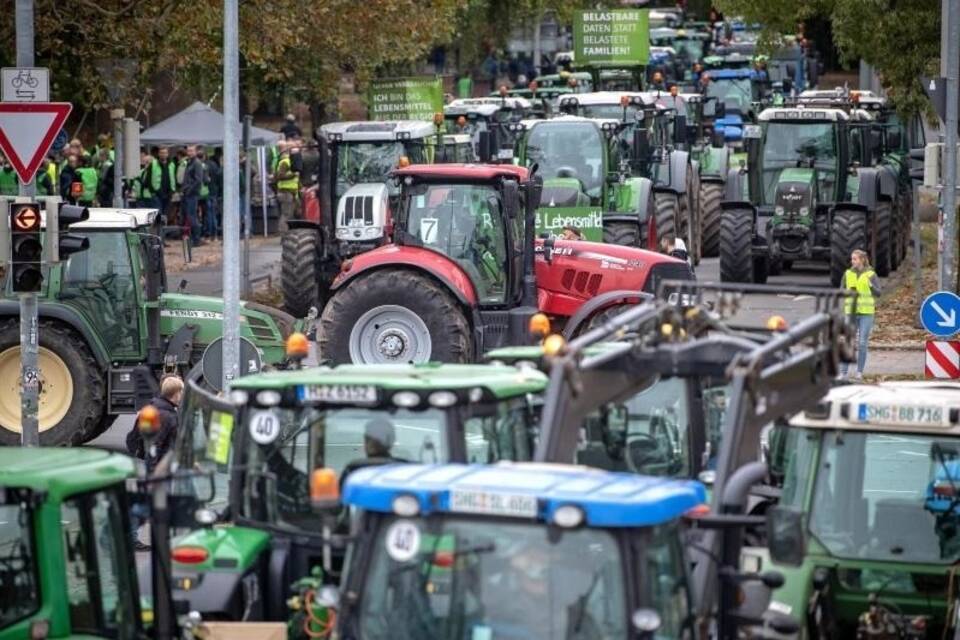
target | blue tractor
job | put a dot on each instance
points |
(733, 92)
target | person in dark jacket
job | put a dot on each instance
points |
(290, 130)
(69, 176)
(166, 403)
(190, 190)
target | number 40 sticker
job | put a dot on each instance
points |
(403, 541)
(264, 427)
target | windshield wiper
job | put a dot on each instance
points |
(580, 608)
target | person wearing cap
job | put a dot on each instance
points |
(379, 436)
(571, 233)
(674, 247)
(290, 130)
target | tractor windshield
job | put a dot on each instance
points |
(880, 496)
(610, 112)
(359, 162)
(569, 150)
(788, 145)
(19, 583)
(736, 94)
(450, 577)
(465, 223)
(689, 49)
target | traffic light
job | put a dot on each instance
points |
(26, 247)
(58, 224)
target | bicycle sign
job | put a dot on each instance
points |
(25, 84)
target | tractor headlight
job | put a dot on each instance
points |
(373, 232)
(442, 399)
(406, 506)
(568, 516)
(778, 211)
(804, 211)
(343, 233)
(268, 398)
(406, 399)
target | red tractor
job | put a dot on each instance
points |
(464, 273)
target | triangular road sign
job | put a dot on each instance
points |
(27, 129)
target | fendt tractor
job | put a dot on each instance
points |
(274, 431)
(812, 190)
(109, 329)
(872, 473)
(616, 159)
(465, 273)
(354, 158)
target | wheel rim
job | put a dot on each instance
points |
(56, 389)
(390, 334)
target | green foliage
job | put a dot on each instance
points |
(899, 38)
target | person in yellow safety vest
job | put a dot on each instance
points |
(143, 188)
(862, 279)
(288, 185)
(88, 177)
(53, 172)
(9, 186)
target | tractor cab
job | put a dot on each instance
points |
(515, 551)
(872, 472)
(578, 81)
(736, 90)
(274, 433)
(474, 116)
(691, 46)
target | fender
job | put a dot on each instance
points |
(631, 206)
(303, 224)
(869, 187)
(679, 167)
(68, 316)
(714, 164)
(888, 182)
(735, 183)
(598, 303)
(439, 266)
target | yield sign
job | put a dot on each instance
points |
(27, 129)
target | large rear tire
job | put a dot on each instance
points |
(849, 232)
(72, 386)
(394, 316)
(711, 193)
(625, 234)
(668, 204)
(883, 261)
(736, 240)
(300, 273)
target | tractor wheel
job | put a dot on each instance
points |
(883, 260)
(394, 316)
(300, 271)
(711, 193)
(690, 203)
(849, 232)
(736, 239)
(72, 386)
(625, 234)
(667, 207)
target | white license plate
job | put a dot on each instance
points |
(339, 393)
(493, 504)
(900, 414)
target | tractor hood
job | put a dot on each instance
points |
(563, 192)
(267, 328)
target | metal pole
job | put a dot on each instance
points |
(29, 375)
(952, 55)
(231, 193)
(917, 257)
(117, 116)
(247, 125)
(262, 172)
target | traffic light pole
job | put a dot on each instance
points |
(29, 375)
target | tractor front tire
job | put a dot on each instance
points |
(668, 206)
(849, 232)
(736, 241)
(394, 316)
(883, 260)
(72, 387)
(711, 193)
(625, 234)
(300, 271)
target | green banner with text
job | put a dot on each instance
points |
(405, 98)
(589, 221)
(620, 36)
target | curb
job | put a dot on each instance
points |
(898, 346)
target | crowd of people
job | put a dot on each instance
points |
(184, 183)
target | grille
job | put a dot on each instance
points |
(357, 210)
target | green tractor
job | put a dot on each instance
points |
(109, 329)
(872, 473)
(486, 121)
(268, 440)
(613, 168)
(812, 190)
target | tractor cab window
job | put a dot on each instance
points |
(19, 580)
(611, 112)
(205, 439)
(465, 223)
(666, 574)
(799, 145)
(736, 94)
(101, 583)
(359, 162)
(492, 578)
(100, 284)
(646, 434)
(502, 432)
(888, 497)
(277, 478)
(569, 150)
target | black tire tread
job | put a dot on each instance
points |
(711, 193)
(883, 260)
(300, 271)
(667, 207)
(849, 232)
(624, 234)
(736, 239)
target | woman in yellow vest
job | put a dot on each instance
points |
(861, 278)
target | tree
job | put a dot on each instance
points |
(899, 38)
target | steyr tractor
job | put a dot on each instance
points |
(353, 155)
(872, 474)
(615, 157)
(814, 193)
(274, 432)
(109, 329)
(465, 273)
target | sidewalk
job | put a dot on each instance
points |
(204, 274)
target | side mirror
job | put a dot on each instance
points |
(484, 146)
(641, 145)
(680, 129)
(720, 109)
(535, 190)
(785, 537)
(511, 198)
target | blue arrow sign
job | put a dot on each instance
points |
(940, 313)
